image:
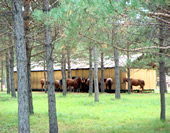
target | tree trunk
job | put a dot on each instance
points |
(166, 91)
(13, 94)
(68, 62)
(63, 67)
(102, 72)
(2, 74)
(22, 81)
(128, 73)
(69, 65)
(117, 76)
(45, 79)
(162, 75)
(90, 73)
(53, 125)
(7, 73)
(96, 87)
(162, 92)
(129, 83)
(28, 51)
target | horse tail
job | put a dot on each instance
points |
(110, 85)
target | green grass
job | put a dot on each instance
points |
(78, 113)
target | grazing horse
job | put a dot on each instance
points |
(74, 83)
(135, 82)
(109, 83)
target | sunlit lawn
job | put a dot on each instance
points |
(78, 113)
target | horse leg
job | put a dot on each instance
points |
(142, 88)
(42, 87)
(67, 87)
(131, 88)
(75, 89)
(107, 89)
(46, 88)
(110, 85)
(86, 88)
(72, 89)
(78, 89)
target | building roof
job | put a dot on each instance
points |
(84, 64)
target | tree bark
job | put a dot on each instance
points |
(8, 74)
(53, 125)
(12, 85)
(28, 51)
(68, 62)
(2, 74)
(63, 67)
(22, 80)
(128, 73)
(162, 75)
(45, 79)
(96, 87)
(90, 73)
(117, 76)
(129, 83)
(166, 91)
(102, 72)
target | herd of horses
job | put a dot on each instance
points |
(78, 84)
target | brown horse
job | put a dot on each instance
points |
(85, 84)
(135, 82)
(109, 83)
(74, 83)
(42, 83)
(57, 85)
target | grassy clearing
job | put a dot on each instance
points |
(78, 113)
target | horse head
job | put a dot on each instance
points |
(42, 81)
(124, 80)
(79, 80)
(84, 80)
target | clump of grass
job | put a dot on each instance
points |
(78, 113)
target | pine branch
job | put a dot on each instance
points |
(6, 48)
(159, 14)
(164, 10)
(121, 49)
(160, 19)
(38, 53)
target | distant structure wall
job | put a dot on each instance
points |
(148, 75)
